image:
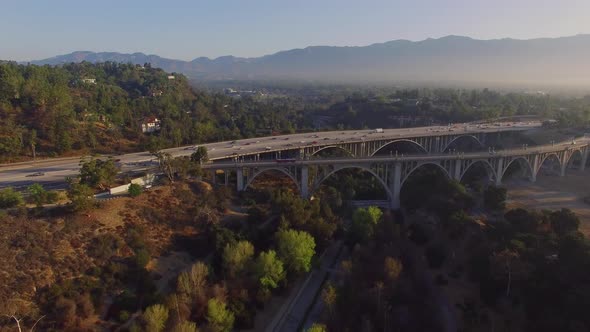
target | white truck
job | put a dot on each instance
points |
(378, 130)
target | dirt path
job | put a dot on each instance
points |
(554, 192)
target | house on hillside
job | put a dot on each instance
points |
(150, 125)
(89, 80)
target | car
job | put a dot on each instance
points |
(287, 138)
(36, 174)
(302, 142)
(326, 138)
(314, 142)
(268, 148)
(233, 142)
(248, 143)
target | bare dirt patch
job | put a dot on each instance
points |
(552, 193)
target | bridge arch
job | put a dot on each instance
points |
(317, 185)
(524, 164)
(327, 147)
(413, 143)
(492, 175)
(420, 165)
(550, 156)
(462, 137)
(571, 159)
(279, 169)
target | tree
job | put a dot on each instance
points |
(495, 198)
(508, 263)
(37, 194)
(185, 326)
(364, 221)
(269, 269)
(200, 155)
(98, 173)
(392, 268)
(10, 198)
(81, 196)
(296, 249)
(193, 281)
(135, 190)
(317, 328)
(329, 297)
(564, 221)
(155, 318)
(219, 317)
(165, 164)
(32, 141)
(237, 256)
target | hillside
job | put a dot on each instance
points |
(451, 59)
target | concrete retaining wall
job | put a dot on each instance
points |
(145, 181)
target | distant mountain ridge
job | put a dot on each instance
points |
(563, 60)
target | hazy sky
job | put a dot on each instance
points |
(185, 29)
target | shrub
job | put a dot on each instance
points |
(135, 190)
(10, 198)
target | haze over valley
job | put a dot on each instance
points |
(449, 60)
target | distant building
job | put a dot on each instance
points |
(150, 125)
(89, 80)
(171, 77)
(156, 93)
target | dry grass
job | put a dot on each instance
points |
(554, 192)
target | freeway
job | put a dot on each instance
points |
(52, 173)
(560, 146)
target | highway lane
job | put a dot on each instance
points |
(52, 173)
(416, 157)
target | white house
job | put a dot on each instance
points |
(150, 125)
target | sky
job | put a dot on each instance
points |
(186, 29)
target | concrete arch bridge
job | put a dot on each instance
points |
(393, 171)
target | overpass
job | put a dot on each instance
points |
(393, 171)
(52, 173)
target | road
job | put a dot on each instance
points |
(421, 158)
(53, 173)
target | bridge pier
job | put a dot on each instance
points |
(500, 171)
(457, 170)
(584, 160)
(304, 186)
(396, 185)
(240, 179)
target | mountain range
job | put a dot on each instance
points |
(556, 61)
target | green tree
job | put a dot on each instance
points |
(236, 257)
(495, 198)
(81, 196)
(98, 173)
(155, 318)
(317, 328)
(269, 269)
(200, 155)
(329, 296)
(185, 326)
(219, 317)
(10, 198)
(193, 281)
(392, 268)
(37, 194)
(363, 225)
(135, 190)
(296, 249)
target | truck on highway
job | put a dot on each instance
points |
(378, 130)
